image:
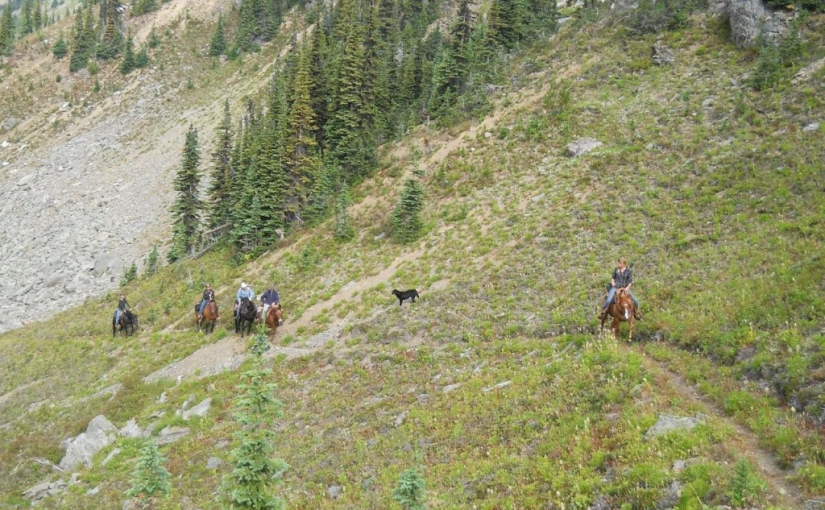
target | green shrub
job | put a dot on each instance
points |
(656, 16)
(406, 217)
(746, 488)
(411, 490)
(149, 478)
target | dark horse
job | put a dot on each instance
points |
(274, 318)
(246, 315)
(128, 323)
(622, 310)
(208, 317)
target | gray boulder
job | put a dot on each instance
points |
(131, 429)
(668, 423)
(199, 410)
(103, 263)
(334, 491)
(43, 490)
(213, 463)
(171, 434)
(79, 450)
(662, 55)
(10, 123)
(751, 18)
(582, 146)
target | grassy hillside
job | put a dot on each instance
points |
(710, 190)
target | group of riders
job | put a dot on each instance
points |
(621, 283)
(244, 294)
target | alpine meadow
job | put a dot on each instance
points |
(412, 254)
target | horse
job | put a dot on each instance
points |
(622, 310)
(207, 317)
(246, 315)
(274, 317)
(128, 323)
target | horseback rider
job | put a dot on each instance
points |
(244, 292)
(268, 299)
(208, 296)
(622, 280)
(122, 306)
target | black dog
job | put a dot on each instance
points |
(403, 296)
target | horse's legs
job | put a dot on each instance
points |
(630, 328)
(616, 327)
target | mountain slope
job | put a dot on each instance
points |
(497, 382)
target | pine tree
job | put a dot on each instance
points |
(37, 16)
(342, 228)
(443, 92)
(218, 44)
(129, 274)
(111, 39)
(461, 33)
(349, 137)
(26, 20)
(142, 58)
(80, 43)
(187, 206)
(301, 160)
(150, 478)
(321, 196)
(411, 491)
(154, 40)
(273, 178)
(319, 89)
(255, 472)
(127, 65)
(152, 262)
(60, 48)
(406, 217)
(220, 189)
(505, 22)
(6, 30)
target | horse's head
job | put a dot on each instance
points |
(625, 304)
(279, 314)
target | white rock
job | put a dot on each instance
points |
(79, 450)
(582, 146)
(131, 429)
(813, 126)
(451, 387)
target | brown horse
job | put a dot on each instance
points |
(208, 317)
(274, 318)
(622, 310)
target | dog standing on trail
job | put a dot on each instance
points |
(411, 294)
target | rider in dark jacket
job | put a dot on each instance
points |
(122, 306)
(268, 299)
(622, 279)
(208, 295)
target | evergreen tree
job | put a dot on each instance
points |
(411, 491)
(321, 196)
(273, 178)
(406, 217)
(111, 39)
(461, 33)
(255, 472)
(505, 21)
(218, 44)
(26, 19)
(129, 274)
(154, 40)
(348, 136)
(37, 16)
(152, 262)
(127, 65)
(82, 46)
(187, 206)
(319, 88)
(445, 74)
(150, 478)
(301, 160)
(6, 30)
(342, 228)
(142, 58)
(220, 189)
(60, 48)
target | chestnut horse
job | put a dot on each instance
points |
(274, 318)
(622, 310)
(208, 317)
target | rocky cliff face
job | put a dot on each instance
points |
(78, 209)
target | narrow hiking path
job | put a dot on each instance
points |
(745, 444)
(229, 352)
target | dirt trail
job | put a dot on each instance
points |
(228, 353)
(745, 443)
